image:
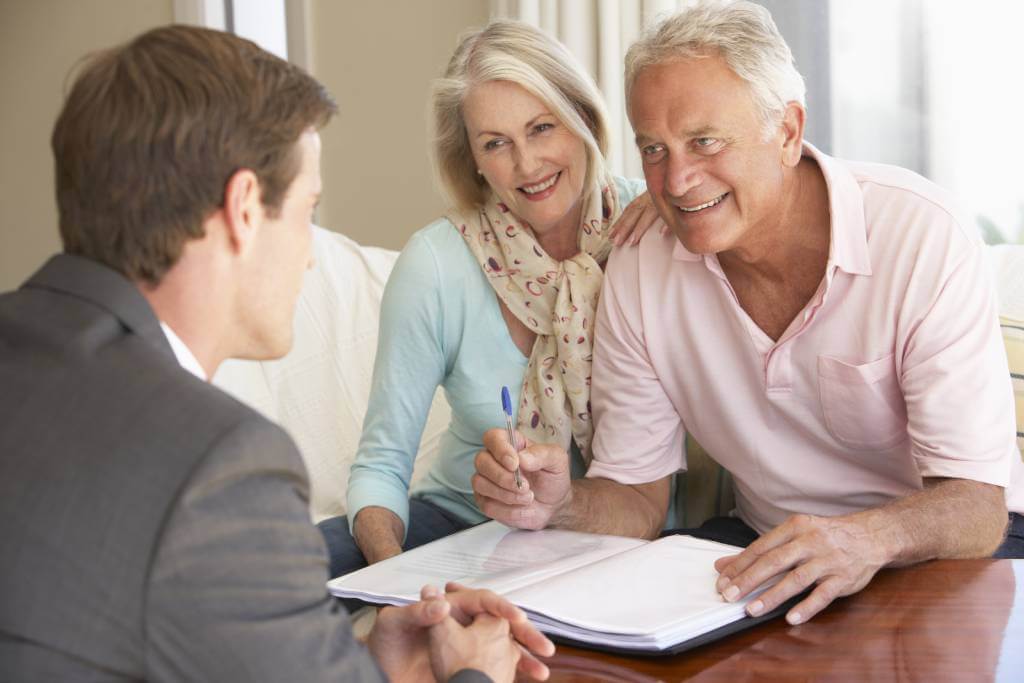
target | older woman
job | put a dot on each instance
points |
(501, 292)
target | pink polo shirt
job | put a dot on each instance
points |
(894, 370)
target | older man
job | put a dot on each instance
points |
(154, 528)
(827, 330)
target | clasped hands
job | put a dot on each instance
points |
(836, 555)
(458, 629)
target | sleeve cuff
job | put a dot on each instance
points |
(470, 676)
(995, 472)
(632, 475)
(366, 492)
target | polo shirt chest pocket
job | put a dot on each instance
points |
(862, 402)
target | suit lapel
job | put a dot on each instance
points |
(93, 282)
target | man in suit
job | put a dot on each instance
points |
(153, 527)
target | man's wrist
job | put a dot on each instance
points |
(562, 515)
(889, 534)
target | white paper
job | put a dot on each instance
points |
(606, 590)
(489, 556)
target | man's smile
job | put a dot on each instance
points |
(706, 205)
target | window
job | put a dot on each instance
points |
(931, 85)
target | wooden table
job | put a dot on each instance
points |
(939, 621)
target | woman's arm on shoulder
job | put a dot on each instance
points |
(630, 188)
(638, 217)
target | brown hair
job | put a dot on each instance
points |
(151, 132)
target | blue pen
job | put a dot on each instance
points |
(506, 405)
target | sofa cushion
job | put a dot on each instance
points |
(320, 390)
(1013, 338)
(1008, 269)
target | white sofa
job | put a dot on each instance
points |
(319, 391)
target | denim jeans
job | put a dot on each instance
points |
(1013, 544)
(731, 530)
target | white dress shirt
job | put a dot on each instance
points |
(185, 357)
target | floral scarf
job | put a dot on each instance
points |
(555, 299)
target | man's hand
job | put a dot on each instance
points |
(466, 604)
(402, 643)
(545, 474)
(378, 532)
(484, 645)
(399, 640)
(950, 518)
(839, 554)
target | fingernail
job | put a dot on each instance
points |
(731, 593)
(434, 609)
(794, 618)
(721, 583)
(510, 462)
(755, 608)
(430, 592)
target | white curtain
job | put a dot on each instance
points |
(598, 32)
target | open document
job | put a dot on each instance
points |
(607, 592)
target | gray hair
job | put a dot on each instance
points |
(512, 51)
(741, 33)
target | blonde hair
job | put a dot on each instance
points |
(512, 51)
(741, 33)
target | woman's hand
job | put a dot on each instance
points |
(639, 217)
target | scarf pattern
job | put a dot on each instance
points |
(557, 300)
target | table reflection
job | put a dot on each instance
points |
(944, 620)
(1011, 657)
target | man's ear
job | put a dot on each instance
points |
(793, 120)
(243, 208)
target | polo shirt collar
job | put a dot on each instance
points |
(848, 244)
(681, 253)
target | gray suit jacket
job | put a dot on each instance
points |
(151, 527)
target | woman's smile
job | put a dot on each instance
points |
(541, 190)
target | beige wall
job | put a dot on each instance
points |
(40, 40)
(378, 59)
